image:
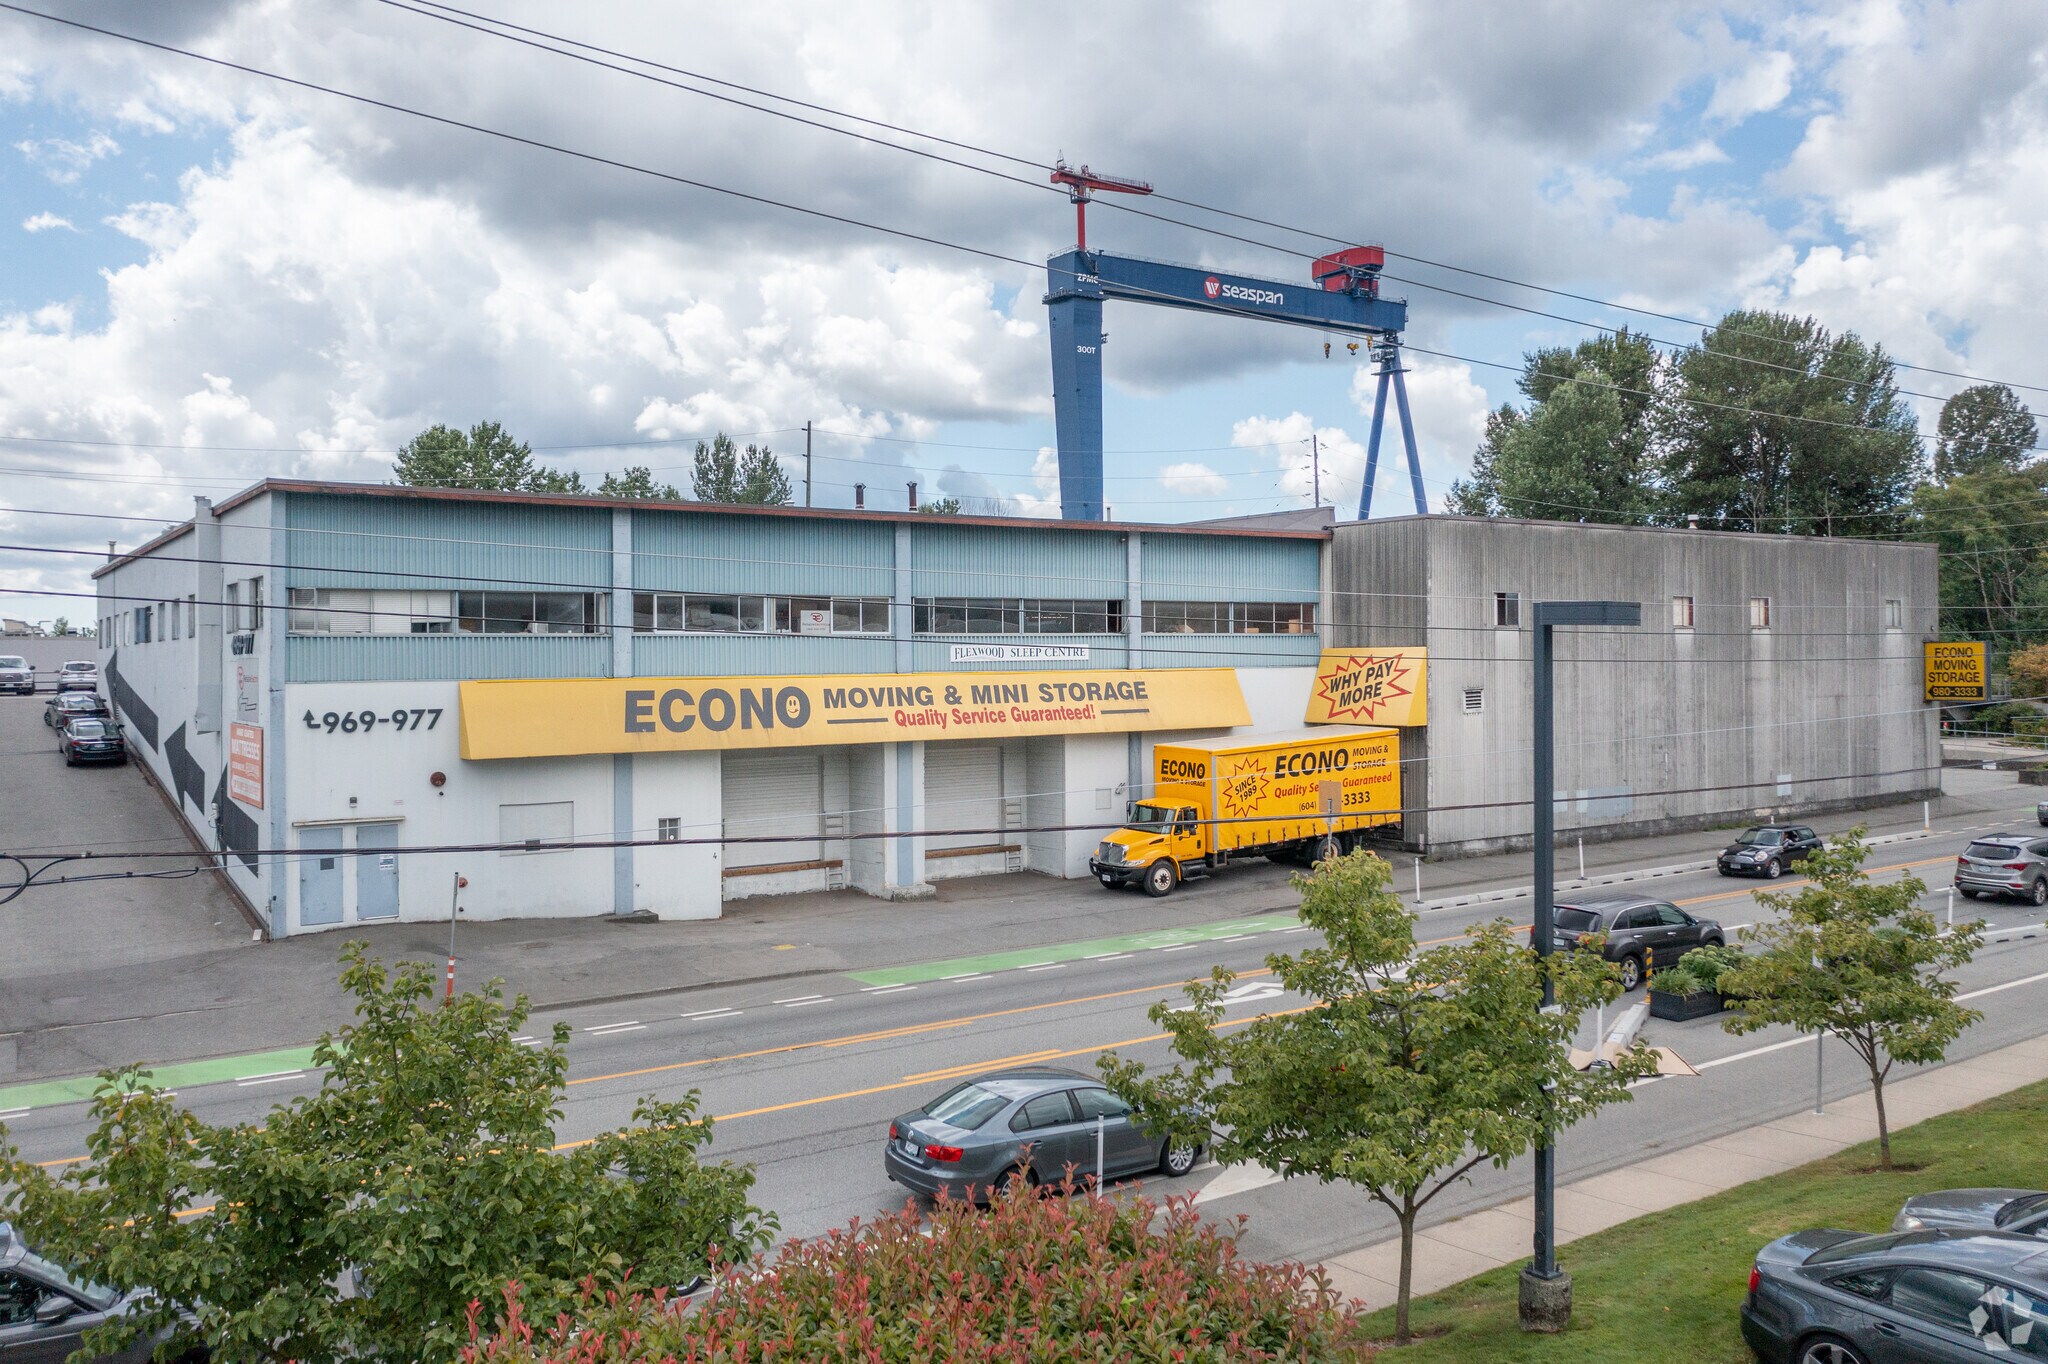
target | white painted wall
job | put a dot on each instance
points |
(681, 882)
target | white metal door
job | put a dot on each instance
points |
(963, 791)
(773, 795)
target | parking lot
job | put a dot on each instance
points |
(70, 948)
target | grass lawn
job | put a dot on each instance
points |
(1667, 1286)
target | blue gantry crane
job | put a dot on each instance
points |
(1344, 299)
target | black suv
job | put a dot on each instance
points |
(1642, 934)
(1768, 850)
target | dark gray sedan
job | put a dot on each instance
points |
(1031, 1124)
(44, 1311)
(2023, 1212)
(1928, 1297)
(1643, 934)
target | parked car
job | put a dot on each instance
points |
(79, 675)
(1642, 933)
(2004, 864)
(1767, 850)
(44, 1310)
(18, 677)
(66, 704)
(1029, 1124)
(90, 739)
(2023, 1212)
(2040, 806)
(1841, 1297)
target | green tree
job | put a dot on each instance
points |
(1992, 530)
(1859, 961)
(1410, 1069)
(1773, 424)
(485, 457)
(725, 473)
(424, 1169)
(941, 506)
(1983, 428)
(61, 626)
(1584, 450)
(638, 482)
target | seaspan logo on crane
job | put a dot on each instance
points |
(1216, 288)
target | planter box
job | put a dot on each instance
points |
(1681, 1008)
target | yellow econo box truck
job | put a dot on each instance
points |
(1300, 796)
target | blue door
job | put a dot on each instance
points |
(376, 871)
(319, 877)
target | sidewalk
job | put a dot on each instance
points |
(1455, 1251)
(81, 1003)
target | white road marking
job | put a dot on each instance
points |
(1237, 1179)
(800, 999)
(1298, 928)
(722, 1011)
(886, 989)
(13, 1113)
(1177, 947)
(1032, 965)
(814, 999)
(269, 1079)
(608, 1029)
(2009, 985)
(1045, 966)
(976, 975)
(1754, 1051)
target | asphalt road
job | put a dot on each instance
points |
(804, 1079)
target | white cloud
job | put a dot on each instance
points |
(1757, 88)
(65, 161)
(1705, 152)
(1192, 479)
(45, 222)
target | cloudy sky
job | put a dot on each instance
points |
(212, 276)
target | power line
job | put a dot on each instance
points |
(507, 31)
(825, 215)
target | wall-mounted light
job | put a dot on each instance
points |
(438, 780)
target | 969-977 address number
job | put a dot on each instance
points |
(364, 721)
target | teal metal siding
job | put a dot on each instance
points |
(1230, 651)
(392, 543)
(1230, 568)
(706, 552)
(767, 655)
(985, 561)
(418, 658)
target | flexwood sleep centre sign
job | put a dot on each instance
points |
(565, 717)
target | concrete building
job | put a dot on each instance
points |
(597, 707)
(335, 670)
(1770, 673)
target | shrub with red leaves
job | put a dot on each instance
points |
(1031, 1280)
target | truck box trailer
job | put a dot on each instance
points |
(1301, 796)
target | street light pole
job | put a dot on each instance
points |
(1546, 1291)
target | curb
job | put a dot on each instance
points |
(1487, 897)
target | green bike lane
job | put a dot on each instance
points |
(20, 1099)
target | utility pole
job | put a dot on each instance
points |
(1315, 467)
(807, 464)
(454, 903)
(1546, 1290)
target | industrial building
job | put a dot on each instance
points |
(326, 678)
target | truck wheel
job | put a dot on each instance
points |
(1324, 849)
(1159, 879)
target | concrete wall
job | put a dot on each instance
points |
(1656, 727)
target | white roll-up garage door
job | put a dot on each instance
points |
(963, 789)
(773, 794)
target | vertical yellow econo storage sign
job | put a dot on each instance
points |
(1955, 671)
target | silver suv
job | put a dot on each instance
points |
(16, 676)
(2005, 864)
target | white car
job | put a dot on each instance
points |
(16, 675)
(79, 676)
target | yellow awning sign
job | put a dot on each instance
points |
(550, 717)
(1954, 671)
(1370, 687)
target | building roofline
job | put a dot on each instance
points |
(593, 502)
(1455, 518)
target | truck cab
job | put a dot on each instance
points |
(1161, 837)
